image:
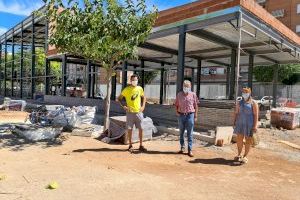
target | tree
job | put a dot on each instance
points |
(265, 73)
(104, 31)
(148, 75)
(287, 74)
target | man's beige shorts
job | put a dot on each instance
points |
(134, 119)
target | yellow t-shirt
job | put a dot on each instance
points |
(133, 98)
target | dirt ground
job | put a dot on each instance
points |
(88, 169)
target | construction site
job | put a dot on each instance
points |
(53, 143)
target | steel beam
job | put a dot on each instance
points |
(181, 58)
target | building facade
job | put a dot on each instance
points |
(287, 11)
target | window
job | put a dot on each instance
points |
(298, 28)
(278, 13)
(298, 8)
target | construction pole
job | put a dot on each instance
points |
(240, 22)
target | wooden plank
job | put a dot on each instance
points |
(290, 144)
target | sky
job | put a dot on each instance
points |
(14, 11)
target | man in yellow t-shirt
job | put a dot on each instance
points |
(135, 105)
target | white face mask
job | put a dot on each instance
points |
(246, 96)
(186, 89)
(134, 83)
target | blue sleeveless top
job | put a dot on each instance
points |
(245, 119)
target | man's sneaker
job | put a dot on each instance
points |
(181, 150)
(190, 154)
(142, 148)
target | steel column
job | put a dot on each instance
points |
(240, 22)
(161, 91)
(1, 78)
(93, 80)
(228, 81)
(47, 78)
(5, 60)
(113, 87)
(181, 58)
(143, 74)
(250, 71)
(199, 63)
(47, 71)
(21, 62)
(275, 86)
(32, 58)
(89, 78)
(124, 75)
(232, 74)
(64, 75)
(193, 78)
(12, 64)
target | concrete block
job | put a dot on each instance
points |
(224, 133)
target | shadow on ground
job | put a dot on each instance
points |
(16, 143)
(215, 161)
(135, 151)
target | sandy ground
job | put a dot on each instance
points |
(88, 169)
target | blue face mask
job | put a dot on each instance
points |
(186, 89)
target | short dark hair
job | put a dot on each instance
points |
(134, 76)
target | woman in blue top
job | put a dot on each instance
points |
(245, 123)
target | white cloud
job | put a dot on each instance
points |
(20, 7)
(2, 30)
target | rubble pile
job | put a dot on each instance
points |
(45, 122)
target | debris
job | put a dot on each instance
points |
(118, 130)
(53, 185)
(285, 118)
(26, 179)
(290, 144)
(224, 133)
(36, 133)
(7, 117)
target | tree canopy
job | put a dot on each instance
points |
(285, 72)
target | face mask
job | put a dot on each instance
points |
(134, 83)
(186, 89)
(246, 96)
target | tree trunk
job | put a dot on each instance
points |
(107, 100)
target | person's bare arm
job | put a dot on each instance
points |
(196, 108)
(236, 111)
(120, 98)
(177, 106)
(144, 99)
(256, 114)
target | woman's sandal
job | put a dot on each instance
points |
(238, 158)
(244, 160)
